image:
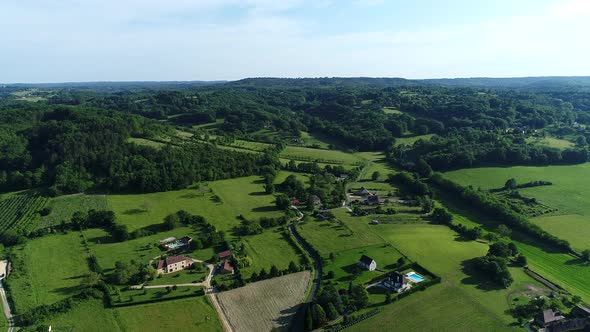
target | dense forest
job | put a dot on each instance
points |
(76, 137)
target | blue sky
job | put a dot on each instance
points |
(122, 40)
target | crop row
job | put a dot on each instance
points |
(19, 210)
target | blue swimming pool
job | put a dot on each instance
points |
(415, 277)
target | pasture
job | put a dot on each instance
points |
(89, 316)
(342, 234)
(266, 305)
(555, 265)
(146, 142)
(551, 142)
(411, 139)
(192, 314)
(268, 249)
(320, 156)
(441, 251)
(46, 270)
(63, 207)
(391, 110)
(345, 263)
(572, 220)
(220, 202)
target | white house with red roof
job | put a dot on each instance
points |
(174, 264)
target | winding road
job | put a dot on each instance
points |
(5, 305)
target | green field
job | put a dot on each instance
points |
(410, 140)
(268, 249)
(243, 196)
(89, 316)
(555, 265)
(47, 270)
(320, 155)
(551, 142)
(63, 207)
(437, 248)
(142, 249)
(345, 261)
(391, 110)
(335, 236)
(569, 194)
(139, 296)
(180, 277)
(193, 314)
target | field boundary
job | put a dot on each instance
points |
(542, 279)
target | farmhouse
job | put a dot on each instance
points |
(362, 192)
(224, 255)
(367, 263)
(316, 200)
(373, 199)
(173, 264)
(397, 282)
(227, 268)
(548, 317)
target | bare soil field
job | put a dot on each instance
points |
(265, 305)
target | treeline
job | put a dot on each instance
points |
(491, 205)
(472, 147)
(495, 263)
(76, 149)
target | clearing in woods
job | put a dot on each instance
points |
(266, 305)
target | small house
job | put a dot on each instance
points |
(227, 268)
(343, 177)
(316, 200)
(548, 317)
(224, 255)
(397, 282)
(374, 222)
(174, 264)
(373, 199)
(362, 192)
(367, 263)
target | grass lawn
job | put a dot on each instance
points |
(551, 142)
(345, 262)
(439, 250)
(335, 236)
(250, 145)
(391, 110)
(89, 316)
(268, 249)
(192, 314)
(145, 142)
(180, 277)
(320, 155)
(412, 139)
(142, 249)
(569, 193)
(555, 265)
(237, 196)
(63, 207)
(136, 296)
(47, 270)
(282, 175)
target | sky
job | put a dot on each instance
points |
(163, 40)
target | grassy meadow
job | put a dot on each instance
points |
(569, 194)
(88, 316)
(63, 207)
(47, 270)
(192, 314)
(268, 249)
(320, 155)
(220, 202)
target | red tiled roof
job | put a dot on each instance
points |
(161, 265)
(224, 254)
(227, 267)
(176, 259)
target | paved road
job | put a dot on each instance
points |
(316, 262)
(5, 305)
